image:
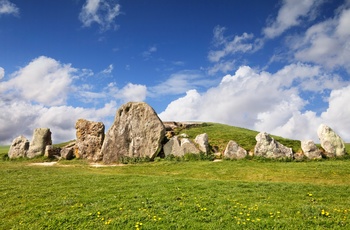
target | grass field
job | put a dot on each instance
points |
(244, 194)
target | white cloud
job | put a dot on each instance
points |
(108, 70)
(228, 46)
(37, 95)
(7, 7)
(326, 43)
(290, 14)
(133, 92)
(148, 53)
(21, 118)
(222, 67)
(102, 12)
(263, 101)
(2, 73)
(179, 83)
(44, 80)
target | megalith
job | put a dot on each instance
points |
(330, 141)
(137, 131)
(268, 147)
(41, 138)
(90, 136)
(310, 150)
(203, 143)
(18, 148)
(234, 151)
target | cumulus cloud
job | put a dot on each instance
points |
(326, 43)
(7, 7)
(291, 13)
(21, 118)
(262, 101)
(102, 12)
(44, 80)
(38, 95)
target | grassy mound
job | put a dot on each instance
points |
(220, 134)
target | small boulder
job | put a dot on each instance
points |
(234, 151)
(52, 152)
(90, 136)
(137, 131)
(179, 147)
(67, 153)
(18, 148)
(268, 147)
(41, 138)
(311, 151)
(330, 141)
(202, 141)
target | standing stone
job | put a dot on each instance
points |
(234, 151)
(188, 146)
(41, 138)
(330, 141)
(90, 136)
(19, 147)
(268, 147)
(203, 143)
(310, 150)
(173, 147)
(137, 131)
(179, 147)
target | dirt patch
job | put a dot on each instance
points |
(43, 164)
(96, 165)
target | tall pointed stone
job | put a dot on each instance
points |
(41, 138)
(137, 131)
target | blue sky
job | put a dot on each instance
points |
(276, 66)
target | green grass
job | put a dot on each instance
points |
(220, 134)
(243, 194)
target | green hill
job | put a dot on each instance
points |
(220, 134)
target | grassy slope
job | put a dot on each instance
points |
(220, 135)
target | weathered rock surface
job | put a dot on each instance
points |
(310, 150)
(90, 136)
(67, 153)
(268, 147)
(202, 142)
(52, 152)
(137, 131)
(18, 148)
(330, 141)
(179, 146)
(234, 151)
(41, 138)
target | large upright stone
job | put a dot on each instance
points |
(310, 150)
(41, 138)
(234, 151)
(137, 131)
(268, 147)
(330, 141)
(18, 148)
(90, 136)
(203, 142)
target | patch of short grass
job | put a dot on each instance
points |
(176, 195)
